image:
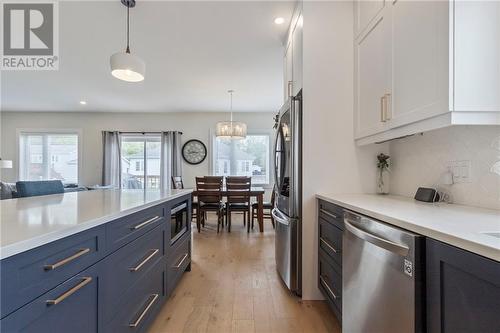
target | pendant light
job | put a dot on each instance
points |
(231, 129)
(124, 65)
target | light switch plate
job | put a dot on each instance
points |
(461, 171)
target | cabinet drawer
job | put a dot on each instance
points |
(330, 283)
(330, 240)
(70, 307)
(178, 260)
(140, 304)
(332, 213)
(128, 228)
(125, 267)
(30, 274)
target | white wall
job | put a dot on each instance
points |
(332, 163)
(422, 159)
(193, 125)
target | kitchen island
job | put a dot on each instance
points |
(103, 260)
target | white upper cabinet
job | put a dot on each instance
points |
(292, 71)
(365, 12)
(444, 67)
(373, 76)
(288, 71)
(297, 56)
(419, 60)
(477, 56)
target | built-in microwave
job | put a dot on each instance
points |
(178, 221)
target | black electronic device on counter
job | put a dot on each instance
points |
(427, 194)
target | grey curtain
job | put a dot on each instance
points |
(171, 159)
(111, 166)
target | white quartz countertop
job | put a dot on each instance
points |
(27, 223)
(457, 225)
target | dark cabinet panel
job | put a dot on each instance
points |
(140, 304)
(70, 307)
(128, 228)
(330, 240)
(463, 290)
(122, 269)
(30, 274)
(330, 230)
(178, 261)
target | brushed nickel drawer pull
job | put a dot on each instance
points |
(136, 323)
(80, 253)
(324, 211)
(328, 244)
(145, 223)
(182, 260)
(85, 281)
(328, 287)
(151, 255)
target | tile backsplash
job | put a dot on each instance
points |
(421, 160)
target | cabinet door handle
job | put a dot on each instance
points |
(60, 263)
(328, 287)
(151, 255)
(328, 245)
(182, 260)
(388, 109)
(382, 109)
(62, 297)
(152, 300)
(145, 223)
(324, 211)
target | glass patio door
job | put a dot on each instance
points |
(141, 161)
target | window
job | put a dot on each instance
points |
(247, 157)
(45, 156)
(140, 161)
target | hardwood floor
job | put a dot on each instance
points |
(233, 287)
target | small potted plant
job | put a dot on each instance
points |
(383, 168)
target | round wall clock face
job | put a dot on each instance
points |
(194, 152)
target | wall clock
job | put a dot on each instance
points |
(194, 152)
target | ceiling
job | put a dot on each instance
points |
(194, 53)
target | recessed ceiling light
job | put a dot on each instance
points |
(279, 20)
(83, 103)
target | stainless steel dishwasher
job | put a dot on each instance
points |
(382, 273)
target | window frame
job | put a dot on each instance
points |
(270, 133)
(48, 131)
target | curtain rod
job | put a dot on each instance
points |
(145, 132)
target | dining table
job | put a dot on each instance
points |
(256, 192)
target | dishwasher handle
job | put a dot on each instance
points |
(391, 246)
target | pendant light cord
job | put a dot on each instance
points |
(128, 30)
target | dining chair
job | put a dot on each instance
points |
(209, 191)
(238, 199)
(266, 206)
(178, 184)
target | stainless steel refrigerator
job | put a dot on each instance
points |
(288, 193)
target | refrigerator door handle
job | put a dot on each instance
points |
(279, 218)
(397, 248)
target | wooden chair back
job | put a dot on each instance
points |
(238, 189)
(209, 189)
(177, 183)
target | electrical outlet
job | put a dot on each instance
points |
(461, 171)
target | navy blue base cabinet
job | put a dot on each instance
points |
(111, 278)
(463, 290)
(330, 229)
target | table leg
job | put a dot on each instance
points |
(260, 211)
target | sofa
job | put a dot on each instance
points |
(35, 188)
